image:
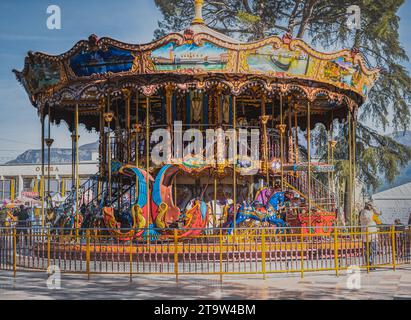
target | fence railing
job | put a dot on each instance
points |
(248, 251)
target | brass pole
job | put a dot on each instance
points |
(263, 105)
(77, 171)
(282, 131)
(354, 122)
(108, 120)
(219, 116)
(48, 143)
(329, 161)
(333, 144)
(350, 168)
(296, 133)
(73, 165)
(63, 187)
(42, 168)
(127, 94)
(169, 99)
(102, 161)
(137, 127)
(148, 156)
(264, 119)
(215, 203)
(290, 133)
(235, 161)
(169, 118)
(272, 127)
(102, 144)
(309, 160)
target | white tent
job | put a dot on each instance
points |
(394, 204)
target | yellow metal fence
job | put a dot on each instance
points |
(249, 251)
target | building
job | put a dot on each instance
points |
(23, 180)
(394, 204)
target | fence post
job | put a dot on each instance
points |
(48, 247)
(367, 248)
(302, 252)
(221, 254)
(176, 254)
(263, 251)
(394, 251)
(14, 252)
(131, 259)
(336, 250)
(88, 253)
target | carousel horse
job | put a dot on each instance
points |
(63, 222)
(93, 219)
(263, 195)
(166, 214)
(258, 211)
(137, 219)
(248, 212)
(9, 219)
(221, 209)
(57, 217)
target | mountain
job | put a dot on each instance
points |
(405, 174)
(403, 138)
(57, 155)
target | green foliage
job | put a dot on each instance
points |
(247, 18)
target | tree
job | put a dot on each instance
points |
(324, 23)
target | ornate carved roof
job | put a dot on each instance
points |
(193, 57)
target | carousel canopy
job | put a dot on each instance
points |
(198, 57)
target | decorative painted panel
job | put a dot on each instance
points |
(190, 56)
(270, 60)
(42, 74)
(102, 61)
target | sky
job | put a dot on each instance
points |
(23, 27)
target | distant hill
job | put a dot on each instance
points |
(405, 175)
(57, 155)
(403, 138)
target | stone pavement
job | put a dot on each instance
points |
(382, 284)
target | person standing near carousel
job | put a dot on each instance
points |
(369, 221)
(23, 223)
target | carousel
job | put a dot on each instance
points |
(184, 86)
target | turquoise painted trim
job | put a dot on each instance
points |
(157, 185)
(203, 209)
(142, 188)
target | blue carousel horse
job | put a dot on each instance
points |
(256, 211)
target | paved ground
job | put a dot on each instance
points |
(383, 284)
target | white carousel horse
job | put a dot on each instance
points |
(219, 213)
